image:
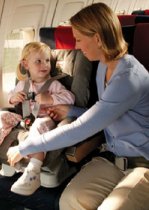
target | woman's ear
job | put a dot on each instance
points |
(98, 40)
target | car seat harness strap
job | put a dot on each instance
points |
(28, 115)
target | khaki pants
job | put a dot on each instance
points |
(100, 185)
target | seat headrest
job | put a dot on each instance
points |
(126, 20)
(58, 37)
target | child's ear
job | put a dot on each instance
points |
(24, 63)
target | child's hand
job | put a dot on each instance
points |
(13, 155)
(17, 98)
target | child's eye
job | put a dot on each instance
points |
(38, 61)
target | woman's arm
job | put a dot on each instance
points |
(117, 99)
(61, 111)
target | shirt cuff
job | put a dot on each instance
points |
(76, 111)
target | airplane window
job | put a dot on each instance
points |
(14, 43)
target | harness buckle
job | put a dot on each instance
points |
(27, 122)
(121, 163)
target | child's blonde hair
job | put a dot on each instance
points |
(22, 74)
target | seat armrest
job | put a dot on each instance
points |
(79, 151)
(10, 109)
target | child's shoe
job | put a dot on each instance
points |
(28, 183)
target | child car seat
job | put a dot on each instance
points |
(80, 80)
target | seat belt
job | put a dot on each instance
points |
(26, 104)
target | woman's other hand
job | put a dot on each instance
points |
(58, 112)
(13, 155)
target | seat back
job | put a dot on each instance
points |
(128, 33)
(66, 59)
(137, 38)
(138, 12)
(142, 19)
(126, 20)
(82, 74)
(141, 43)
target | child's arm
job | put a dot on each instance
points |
(17, 95)
(17, 98)
(60, 94)
(56, 94)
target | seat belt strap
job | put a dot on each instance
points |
(26, 105)
(49, 81)
(45, 87)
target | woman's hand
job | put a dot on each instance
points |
(44, 98)
(13, 155)
(58, 112)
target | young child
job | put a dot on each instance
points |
(35, 59)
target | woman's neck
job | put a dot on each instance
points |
(111, 66)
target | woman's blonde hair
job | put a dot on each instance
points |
(99, 18)
(22, 74)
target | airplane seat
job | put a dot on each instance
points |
(128, 27)
(83, 85)
(126, 20)
(132, 33)
(128, 33)
(146, 11)
(138, 12)
(141, 43)
(71, 62)
(141, 12)
(80, 80)
(142, 19)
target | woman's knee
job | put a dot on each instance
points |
(67, 199)
(90, 186)
(74, 198)
(131, 193)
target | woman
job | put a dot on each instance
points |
(122, 112)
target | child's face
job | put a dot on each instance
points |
(39, 66)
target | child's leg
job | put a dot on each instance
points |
(29, 182)
(41, 125)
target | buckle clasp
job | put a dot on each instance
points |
(121, 163)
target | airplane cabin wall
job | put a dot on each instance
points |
(19, 15)
(66, 8)
(30, 15)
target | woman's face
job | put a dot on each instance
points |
(90, 46)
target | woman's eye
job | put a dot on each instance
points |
(77, 40)
(47, 60)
